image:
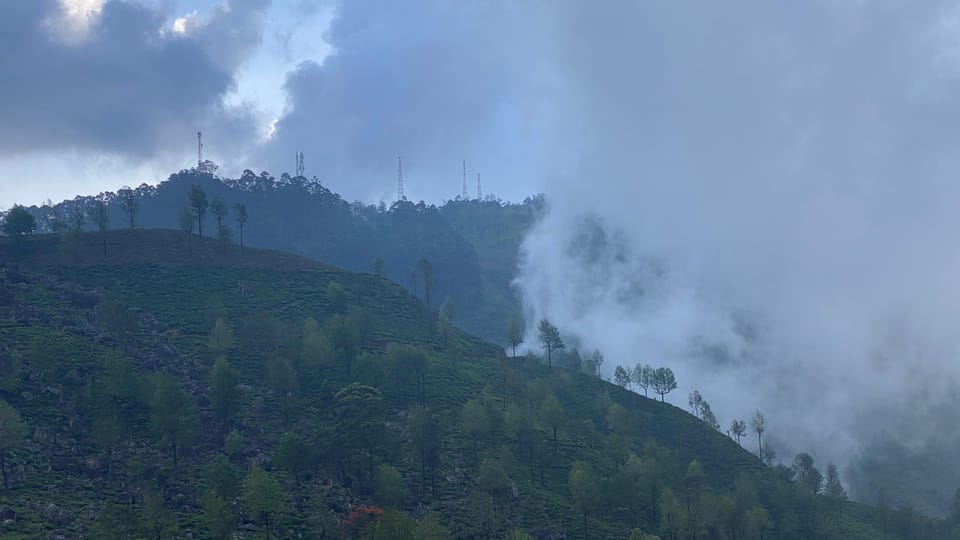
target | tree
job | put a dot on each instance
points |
(12, 432)
(756, 523)
(221, 337)
(475, 421)
(448, 310)
(241, 211)
(585, 491)
(390, 490)
(708, 417)
(596, 358)
(218, 516)
(378, 266)
(344, 337)
(671, 514)
(294, 455)
(337, 297)
(219, 210)
(663, 382)
(220, 478)
(130, 204)
(551, 411)
(282, 379)
(550, 339)
(738, 428)
(18, 222)
(198, 200)
(392, 525)
(807, 474)
(832, 487)
(514, 335)
(643, 377)
(619, 420)
(696, 403)
(359, 420)
(223, 389)
(155, 518)
(185, 219)
(78, 218)
(172, 414)
(493, 480)
(759, 423)
(621, 377)
(426, 269)
(102, 218)
(425, 432)
(264, 496)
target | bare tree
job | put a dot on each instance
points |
(738, 428)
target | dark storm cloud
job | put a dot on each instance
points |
(128, 87)
(436, 81)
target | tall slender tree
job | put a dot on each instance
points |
(514, 335)
(550, 339)
(12, 432)
(241, 211)
(130, 204)
(759, 425)
(101, 216)
(198, 200)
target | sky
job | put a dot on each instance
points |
(761, 195)
(112, 92)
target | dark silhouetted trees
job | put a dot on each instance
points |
(130, 204)
(18, 222)
(199, 203)
(514, 335)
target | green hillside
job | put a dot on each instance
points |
(175, 387)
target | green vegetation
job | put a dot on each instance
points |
(164, 393)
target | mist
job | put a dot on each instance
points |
(762, 197)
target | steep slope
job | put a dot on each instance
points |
(110, 361)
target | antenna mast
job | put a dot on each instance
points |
(199, 150)
(464, 179)
(400, 196)
(479, 191)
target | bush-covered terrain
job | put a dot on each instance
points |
(183, 387)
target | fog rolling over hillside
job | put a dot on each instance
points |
(768, 203)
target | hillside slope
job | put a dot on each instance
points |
(135, 428)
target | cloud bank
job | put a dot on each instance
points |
(763, 197)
